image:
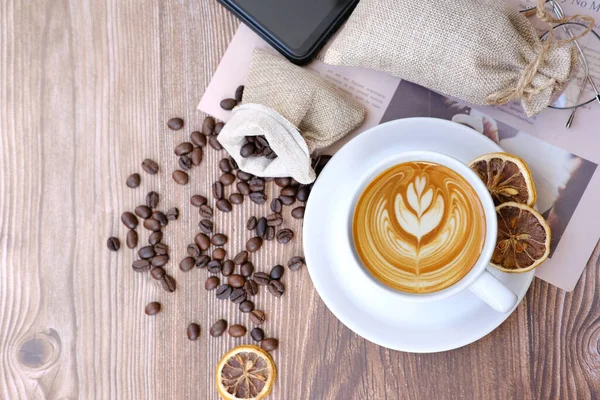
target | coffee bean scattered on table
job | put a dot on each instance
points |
(161, 248)
(270, 235)
(214, 266)
(152, 199)
(129, 220)
(224, 205)
(212, 283)
(141, 265)
(298, 212)
(295, 263)
(132, 239)
(287, 200)
(239, 93)
(208, 126)
(228, 104)
(198, 200)
(276, 288)
(227, 268)
(276, 272)
(254, 244)
(187, 264)
(183, 148)
(217, 190)
(246, 306)
(196, 156)
(257, 334)
(262, 278)
(237, 331)
(276, 205)
(175, 124)
(219, 239)
(152, 225)
(241, 257)
(172, 214)
(193, 250)
(160, 217)
(203, 241)
(237, 295)
(285, 235)
(274, 219)
(133, 180)
(227, 179)
(168, 283)
(236, 281)
(247, 269)
(146, 252)
(258, 197)
(251, 287)
(159, 260)
(155, 238)
(143, 212)
(198, 138)
(150, 166)
(193, 331)
(202, 261)
(261, 227)
(206, 211)
(251, 224)
(236, 198)
(152, 308)
(218, 127)
(181, 177)
(113, 243)
(243, 176)
(257, 317)
(224, 291)
(269, 344)
(218, 328)
(214, 143)
(219, 254)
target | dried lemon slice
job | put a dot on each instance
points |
(245, 372)
(507, 178)
(523, 240)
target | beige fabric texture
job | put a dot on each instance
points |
(468, 49)
(298, 112)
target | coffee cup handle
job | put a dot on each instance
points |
(493, 292)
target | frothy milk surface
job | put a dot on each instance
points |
(419, 227)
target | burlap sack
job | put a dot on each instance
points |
(296, 110)
(480, 51)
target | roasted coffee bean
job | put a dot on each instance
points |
(146, 252)
(237, 295)
(287, 200)
(157, 273)
(218, 127)
(143, 212)
(212, 283)
(224, 205)
(217, 190)
(187, 264)
(193, 331)
(180, 177)
(206, 211)
(206, 226)
(185, 163)
(225, 165)
(133, 180)
(270, 235)
(159, 260)
(202, 261)
(198, 200)
(228, 104)
(247, 150)
(152, 308)
(175, 124)
(257, 317)
(274, 219)
(246, 306)
(214, 143)
(129, 220)
(218, 328)
(228, 267)
(243, 188)
(243, 176)
(172, 214)
(298, 212)
(141, 265)
(152, 199)
(257, 334)
(161, 249)
(227, 179)
(236, 280)
(251, 287)
(276, 205)
(262, 141)
(236, 198)
(239, 93)
(224, 291)
(251, 139)
(295, 263)
(262, 278)
(269, 344)
(254, 244)
(289, 191)
(276, 272)
(219, 239)
(114, 244)
(251, 224)
(247, 269)
(132, 239)
(303, 193)
(258, 197)
(193, 250)
(160, 217)
(196, 156)
(198, 138)
(276, 288)
(150, 166)
(219, 254)
(285, 235)
(261, 227)
(183, 148)
(152, 225)
(208, 126)
(202, 241)
(256, 184)
(237, 331)
(270, 154)
(168, 283)
(155, 238)
(241, 257)
(282, 182)
(214, 266)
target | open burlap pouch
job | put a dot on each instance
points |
(297, 111)
(480, 51)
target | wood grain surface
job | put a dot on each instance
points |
(86, 88)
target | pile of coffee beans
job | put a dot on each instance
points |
(257, 146)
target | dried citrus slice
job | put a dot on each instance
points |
(523, 238)
(245, 372)
(507, 177)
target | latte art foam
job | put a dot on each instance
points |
(419, 227)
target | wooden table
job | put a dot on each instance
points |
(86, 88)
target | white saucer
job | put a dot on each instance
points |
(369, 309)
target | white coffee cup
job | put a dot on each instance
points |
(478, 280)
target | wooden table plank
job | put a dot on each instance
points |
(86, 89)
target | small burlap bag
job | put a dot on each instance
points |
(297, 111)
(480, 51)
